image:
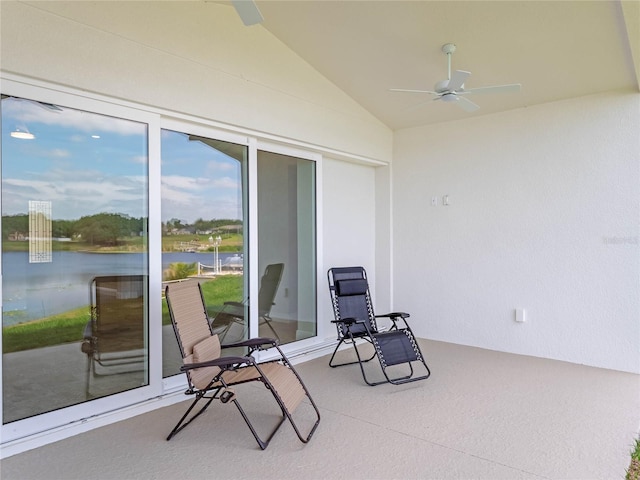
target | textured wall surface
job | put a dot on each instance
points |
(543, 216)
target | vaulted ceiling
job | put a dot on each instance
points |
(554, 49)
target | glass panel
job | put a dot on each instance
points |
(203, 212)
(74, 256)
(286, 247)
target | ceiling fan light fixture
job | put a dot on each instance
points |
(22, 134)
(452, 89)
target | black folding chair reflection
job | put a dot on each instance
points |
(233, 313)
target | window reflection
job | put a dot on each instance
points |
(286, 247)
(74, 207)
(203, 231)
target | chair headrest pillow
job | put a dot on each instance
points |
(352, 286)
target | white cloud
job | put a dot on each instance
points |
(78, 195)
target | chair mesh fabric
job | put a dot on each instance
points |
(358, 307)
(396, 347)
(200, 345)
(192, 327)
(285, 383)
(190, 317)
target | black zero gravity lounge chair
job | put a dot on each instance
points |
(355, 320)
(211, 376)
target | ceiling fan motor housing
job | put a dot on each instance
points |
(442, 86)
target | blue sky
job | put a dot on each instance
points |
(85, 163)
(198, 181)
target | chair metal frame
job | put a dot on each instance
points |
(355, 320)
(245, 367)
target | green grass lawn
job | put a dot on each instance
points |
(633, 473)
(69, 326)
(231, 242)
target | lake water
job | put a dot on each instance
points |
(36, 290)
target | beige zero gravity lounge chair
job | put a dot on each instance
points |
(210, 376)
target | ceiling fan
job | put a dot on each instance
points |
(248, 12)
(452, 90)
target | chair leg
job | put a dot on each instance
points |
(181, 423)
(262, 443)
(267, 321)
(87, 388)
(331, 364)
(410, 377)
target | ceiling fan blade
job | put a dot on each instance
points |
(412, 91)
(466, 104)
(511, 88)
(248, 11)
(457, 80)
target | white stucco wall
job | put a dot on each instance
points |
(350, 222)
(188, 57)
(544, 215)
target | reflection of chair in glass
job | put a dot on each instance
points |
(114, 337)
(233, 312)
(354, 319)
(210, 376)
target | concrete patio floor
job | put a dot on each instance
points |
(482, 414)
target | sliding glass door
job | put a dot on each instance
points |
(101, 207)
(286, 306)
(203, 232)
(74, 257)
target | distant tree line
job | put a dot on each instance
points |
(98, 229)
(109, 228)
(175, 225)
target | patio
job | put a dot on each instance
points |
(482, 414)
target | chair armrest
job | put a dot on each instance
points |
(348, 321)
(394, 315)
(253, 342)
(218, 362)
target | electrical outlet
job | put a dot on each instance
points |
(434, 201)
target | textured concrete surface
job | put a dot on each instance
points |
(482, 414)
